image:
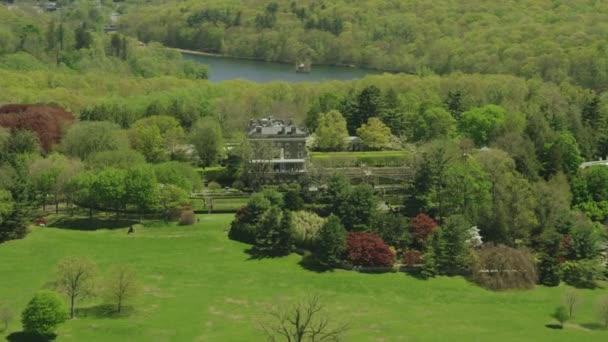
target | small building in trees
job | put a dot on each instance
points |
(279, 144)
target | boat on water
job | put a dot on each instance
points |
(303, 67)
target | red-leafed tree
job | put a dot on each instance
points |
(412, 258)
(367, 249)
(47, 122)
(422, 227)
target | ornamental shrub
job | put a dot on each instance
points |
(580, 273)
(332, 242)
(548, 270)
(306, 227)
(367, 249)
(273, 233)
(43, 313)
(422, 227)
(246, 218)
(412, 258)
(187, 217)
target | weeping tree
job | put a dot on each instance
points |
(498, 267)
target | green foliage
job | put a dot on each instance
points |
(563, 154)
(548, 270)
(581, 273)
(23, 142)
(403, 36)
(482, 124)
(590, 192)
(454, 233)
(243, 228)
(375, 134)
(83, 139)
(293, 200)
(273, 232)
(332, 242)
(306, 228)
(561, 315)
(355, 206)
(179, 174)
(156, 137)
(206, 136)
(108, 189)
(392, 228)
(43, 313)
(121, 159)
(331, 133)
(141, 188)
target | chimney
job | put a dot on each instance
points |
(258, 129)
(282, 130)
(293, 129)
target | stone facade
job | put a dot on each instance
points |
(288, 142)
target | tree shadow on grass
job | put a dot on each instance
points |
(310, 263)
(94, 223)
(104, 311)
(22, 336)
(255, 254)
(593, 326)
(553, 326)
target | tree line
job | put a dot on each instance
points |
(529, 38)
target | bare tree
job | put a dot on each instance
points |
(121, 285)
(76, 279)
(602, 311)
(571, 300)
(257, 157)
(6, 315)
(303, 321)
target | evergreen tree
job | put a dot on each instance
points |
(83, 38)
(332, 242)
(14, 224)
(591, 112)
(370, 103)
(273, 233)
(454, 104)
(454, 233)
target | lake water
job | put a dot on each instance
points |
(222, 69)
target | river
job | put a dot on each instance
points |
(222, 69)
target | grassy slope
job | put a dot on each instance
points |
(199, 286)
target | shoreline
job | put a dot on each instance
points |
(217, 55)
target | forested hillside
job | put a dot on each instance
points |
(555, 40)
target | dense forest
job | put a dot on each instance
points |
(551, 39)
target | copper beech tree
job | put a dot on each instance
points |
(47, 122)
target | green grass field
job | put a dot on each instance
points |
(370, 158)
(357, 154)
(200, 286)
(231, 204)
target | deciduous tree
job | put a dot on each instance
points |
(43, 313)
(121, 286)
(331, 133)
(375, 134)
(206, 136)
(75, 278)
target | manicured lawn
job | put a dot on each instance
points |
(370, 158)
(231, 204)
(357, 154)
(200, 286)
